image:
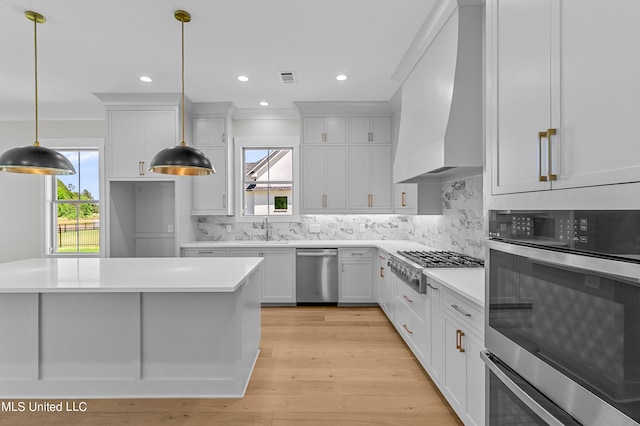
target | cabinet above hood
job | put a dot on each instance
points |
(441, 129)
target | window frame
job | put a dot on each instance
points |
(49, 196)
(267, 142)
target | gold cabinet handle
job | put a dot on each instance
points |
(324, 200)
(143, 168)
(541, 177)
(461, 336)
(552, 177)
(404, 199)
(223, 138)
(407, 328)
(224, 201)
(324, 137)
(458, 339)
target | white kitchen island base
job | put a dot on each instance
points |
(99, 339)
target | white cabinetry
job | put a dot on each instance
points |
(413, 198)
(370, 178)
(558, 121)
(464, 373)
(212, 194)
(434, 357)
(383, 280)
(356, 276)
(135, 136)
(204, 252)
(278, 281)
(410, 311)
(324, 170)
(320, 130)
(364, 130)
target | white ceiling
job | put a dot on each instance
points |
(104, 46)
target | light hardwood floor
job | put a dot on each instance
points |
(318, 366)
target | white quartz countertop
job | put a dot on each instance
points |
(390, 246)
(467, 282)
(180, 274)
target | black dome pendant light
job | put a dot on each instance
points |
(35, 159)
(182, 159)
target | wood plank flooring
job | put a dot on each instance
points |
(318, 366)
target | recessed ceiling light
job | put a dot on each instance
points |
(264, 103)
(341, 77)
(243, 78)
(146, 79)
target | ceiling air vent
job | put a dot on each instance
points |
(287, 77)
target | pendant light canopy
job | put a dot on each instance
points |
(35, 159)
(182, 159)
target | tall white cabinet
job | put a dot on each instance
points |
(211, 124)
(563, 95)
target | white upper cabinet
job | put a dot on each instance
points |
(209, 131)
(370, 178)
(209, 194)
(324, 130)
(135, 137)
(324, 171)
(367, 130)
(564, 94)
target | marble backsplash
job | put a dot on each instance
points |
(459, 228)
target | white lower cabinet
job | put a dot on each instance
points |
(383, 283)
(278, 282)
(205, 252)
(445, 333)
(356, 276)
(463, 379)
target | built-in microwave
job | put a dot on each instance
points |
(563, 314)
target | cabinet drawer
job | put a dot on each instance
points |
(463, 310)
(412, 330)
(417, 303)
(361, 253)
(204, 253)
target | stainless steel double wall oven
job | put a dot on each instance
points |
(563, 318)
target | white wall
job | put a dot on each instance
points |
(260, 127)
(21, 213)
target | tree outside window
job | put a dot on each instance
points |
(76, 205)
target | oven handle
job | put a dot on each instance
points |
(627, 271)
(523, 396)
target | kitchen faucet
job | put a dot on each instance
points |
(265, 226)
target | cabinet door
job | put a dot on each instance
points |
(313, 129)
(313, 178)
(209, 193)
(381, 177)
(359, 177)
(160, 132)
(381, 130)
(209, 131)
(335, 129)
(356, 282)
(359, 130)
(278, 284)
(335, 177)
(521, 95)
(455, 366)
(597, 141)
(473, 345)
(125, 143)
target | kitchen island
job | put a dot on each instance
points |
(128, 327)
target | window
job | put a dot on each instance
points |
(267, 182)
(75, 205)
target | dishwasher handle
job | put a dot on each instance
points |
(317, 253)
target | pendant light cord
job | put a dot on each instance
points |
(183, 106)
(35, 49)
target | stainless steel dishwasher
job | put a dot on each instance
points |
(317, 276)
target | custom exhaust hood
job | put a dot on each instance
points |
(441, 112)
